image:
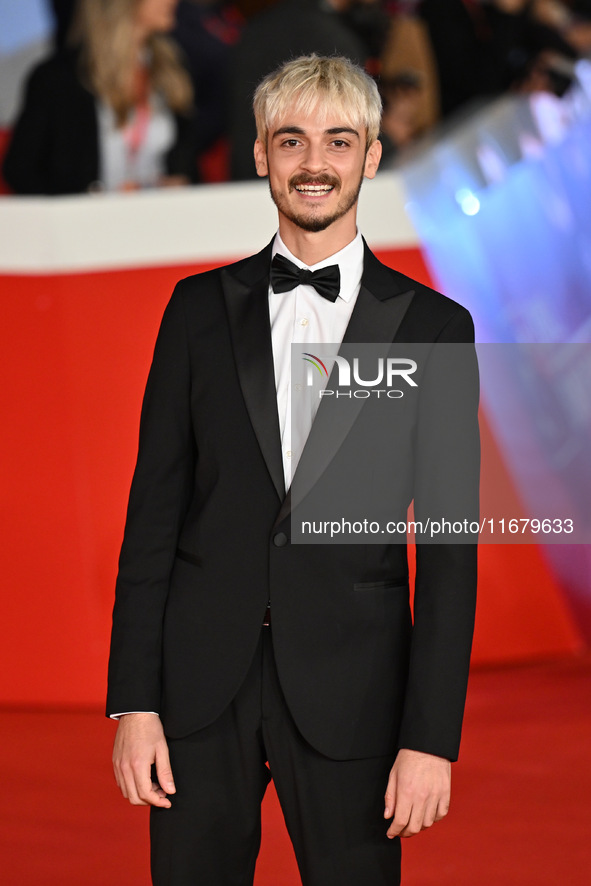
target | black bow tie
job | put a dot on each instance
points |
(285, 276)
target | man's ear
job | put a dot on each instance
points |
(372, 159)
(260, 158)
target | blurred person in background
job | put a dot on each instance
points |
(570, 18)
(206, 30)
(482, 47)
(401, 97)
(281, 32)
(542, 43)
(63, 12)
(407, 55)
(369, 20)
(111, 113)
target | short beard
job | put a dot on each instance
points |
(311, 223)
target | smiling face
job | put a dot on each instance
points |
(316, 163)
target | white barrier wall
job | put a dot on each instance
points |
(166, 227)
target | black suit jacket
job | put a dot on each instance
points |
(55, 145)
(207, 541)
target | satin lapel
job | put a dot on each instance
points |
(382, 302)
(246, 294)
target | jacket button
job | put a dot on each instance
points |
(280, 540)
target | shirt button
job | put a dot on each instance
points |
(304, 321)
(280, 540)
(288, 453)
(297, 387)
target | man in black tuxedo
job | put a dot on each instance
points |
(236, 655)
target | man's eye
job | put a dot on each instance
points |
(340, 143)
(291, 142)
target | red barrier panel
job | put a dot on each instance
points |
(75, 354)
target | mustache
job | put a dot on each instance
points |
(322, 178)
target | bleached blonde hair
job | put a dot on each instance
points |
(313, 82)
(103, 30)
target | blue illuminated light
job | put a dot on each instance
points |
(467, 201)
(522, 266)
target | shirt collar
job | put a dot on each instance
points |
(349, 259)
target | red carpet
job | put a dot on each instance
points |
(520, 810)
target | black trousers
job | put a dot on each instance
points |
(333, 809)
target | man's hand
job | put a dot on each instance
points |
(139, 742)
(418, 792)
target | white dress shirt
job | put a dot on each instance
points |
(301, 315)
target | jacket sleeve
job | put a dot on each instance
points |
(446, 485)
(158, 501)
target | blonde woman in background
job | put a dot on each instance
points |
(112, 113)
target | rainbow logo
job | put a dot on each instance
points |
(317, 362)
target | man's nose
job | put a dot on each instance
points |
(314, 159)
